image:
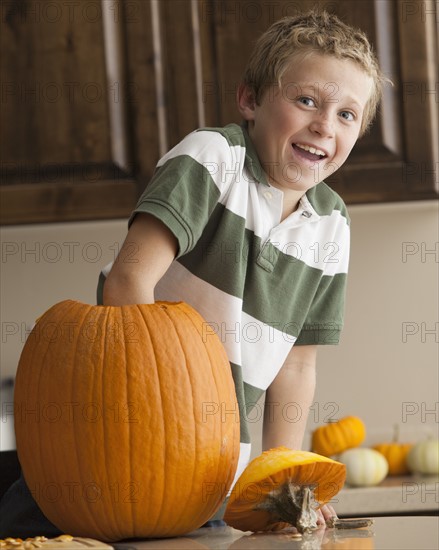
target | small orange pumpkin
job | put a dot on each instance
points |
(396, 454)
(336, 437)
(283, 487)
(120, 423)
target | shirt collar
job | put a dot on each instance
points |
(307, 209)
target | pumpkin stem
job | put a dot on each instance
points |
(336, 523)
(293, 504)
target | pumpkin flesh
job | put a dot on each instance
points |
(283, 487)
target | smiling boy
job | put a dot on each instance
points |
(304, 129)
(238, 222)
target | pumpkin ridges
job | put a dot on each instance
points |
(233, 430)
(135, 470)
(113, 319)
(228, 431)
(131, 390)
(22, 380)
(34, 396)
(55, 434)
(27, 404)
(396, 454)
(336, 437)
(101, 375)
(183, 340)
(97, 449)
(347, 431)
(61, 435)
(173, 379)
(152, 514)
(58, 366)
(86, 474)
(186, 333)
(179, 383)
(221, 379)
(58, 438)
(136, 456)
(88, 456)
(169, 484)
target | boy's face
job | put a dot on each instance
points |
(320, 105)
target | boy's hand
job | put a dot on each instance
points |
(325, 513)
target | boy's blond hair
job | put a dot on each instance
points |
(319, 32)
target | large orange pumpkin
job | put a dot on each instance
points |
(283, 487)
(126, 419)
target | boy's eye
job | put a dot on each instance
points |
(347, 115)
(306, 101)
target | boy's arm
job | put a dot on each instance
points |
(148, 251)
(287, 404)
(288, 399)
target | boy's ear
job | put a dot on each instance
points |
(245, 98)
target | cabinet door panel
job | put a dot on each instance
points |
(65, 146)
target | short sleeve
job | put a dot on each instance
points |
(187, 185)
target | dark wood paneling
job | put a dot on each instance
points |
(141, 83)
(180, 78)
(397, 159)
(93, 93)
(62, 140)
(54, 104)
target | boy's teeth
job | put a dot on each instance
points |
(312, 150)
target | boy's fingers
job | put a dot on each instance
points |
(328, 512)
(320, 518)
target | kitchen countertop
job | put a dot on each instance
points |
(386, 533)
(394, 496)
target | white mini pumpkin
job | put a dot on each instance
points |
(423, 457)
(364, 467)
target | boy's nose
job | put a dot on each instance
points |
(323, 126)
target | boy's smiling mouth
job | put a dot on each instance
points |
(309, 152)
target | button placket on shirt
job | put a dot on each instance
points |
(268, 254)
(304, 214)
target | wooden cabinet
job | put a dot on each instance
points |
(92, 93)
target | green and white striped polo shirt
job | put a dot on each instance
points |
(263, 285)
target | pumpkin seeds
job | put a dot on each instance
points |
(30, 543)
